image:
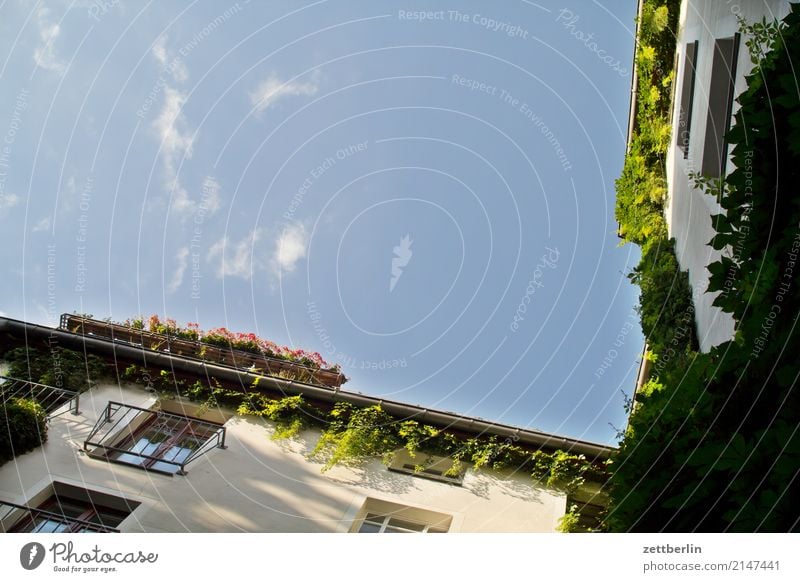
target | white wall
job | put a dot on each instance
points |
(262, 485)
(688, 210)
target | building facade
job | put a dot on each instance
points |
(123, 457)
(712, 62)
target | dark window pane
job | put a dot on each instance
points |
(43, 525)
(720, 103)
(369, 527)
(687, 97)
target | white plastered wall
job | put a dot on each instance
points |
(689, 210)
(261, 485)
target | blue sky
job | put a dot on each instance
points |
(422, 191)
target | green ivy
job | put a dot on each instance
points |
(352, 435)
(23, 421)
(665, 301)
(712, 444)
(58, 367)
(570, 521)
(23, 427)
(642, 187)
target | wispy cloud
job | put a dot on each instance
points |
(177, 138)
(210, 200)
(237, 259)
(258, 252)
(290, 247)
(8, 200)
(272, 90)
(42, 225)
(44, 55)
(170, 64)
(176, 144)
(182, 262)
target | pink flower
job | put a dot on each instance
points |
(243, 340)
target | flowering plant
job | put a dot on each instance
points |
(224, 338)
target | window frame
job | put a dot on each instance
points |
(65, 508)
(383, 522)
(380, 514)
(52, 510)
(686, 104)
(433, 467)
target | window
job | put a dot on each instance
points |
(155, 440)
(378, 516)
(374, 523)
(720, 104)
(62, 514)
(164, 443)
(428, 467)
(67, 509)
(591, 514)
(687, 97)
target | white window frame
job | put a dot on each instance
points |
(380, 513)
(384, 522)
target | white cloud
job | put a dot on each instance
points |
(182, 259)
(172, 65)
(273, 89)
(176, 144)
(42, 225)
(177, 141)
(238, 259)
(208, 204)
(290, 248)
(245, 257)
(45, 55)
(209, 199)
(160, 50)
(8, 201)
(181, 203)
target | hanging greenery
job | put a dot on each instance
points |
(23, 427)
(352, 435)
(58, 367)
(712, 444)
(642, 187)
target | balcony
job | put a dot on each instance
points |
(55, 401)
(152, 440)
(187, 348)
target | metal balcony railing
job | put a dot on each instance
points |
(55, 401)
(122, 429)
(22, 518)
(187, 348)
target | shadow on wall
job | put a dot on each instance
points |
(511, 483)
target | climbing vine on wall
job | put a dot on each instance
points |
(713, 444)
(351, 435)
